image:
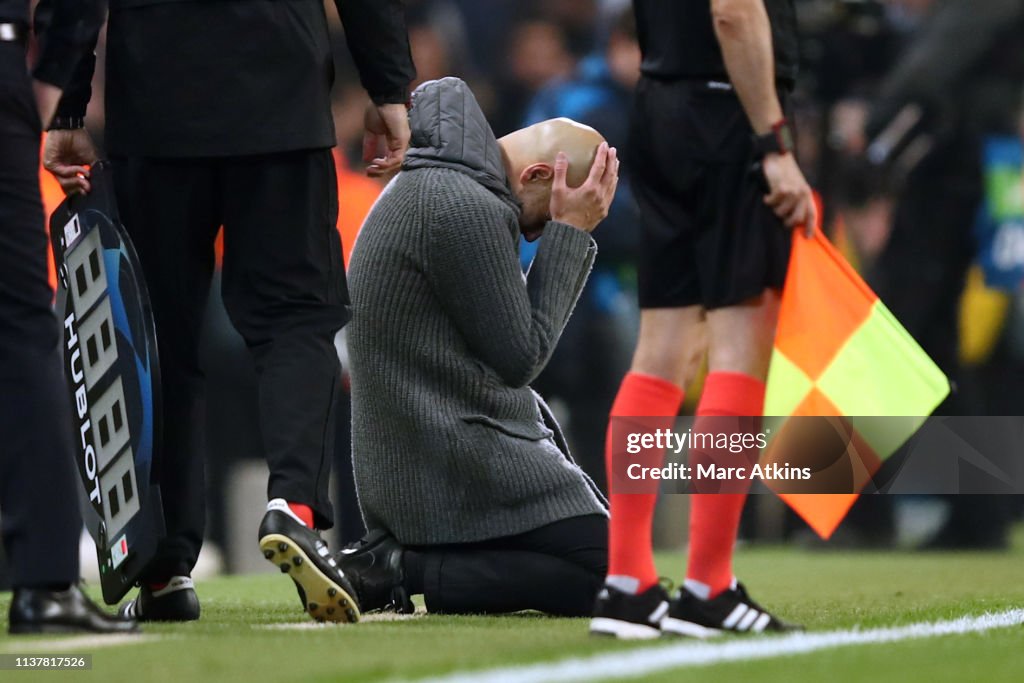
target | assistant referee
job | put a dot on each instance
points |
(718, 186)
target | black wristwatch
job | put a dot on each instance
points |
(779, 141)
(67, 123)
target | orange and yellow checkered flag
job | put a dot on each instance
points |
(840, 352)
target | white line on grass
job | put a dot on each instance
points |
(69, 643)
(649, 660)
(315, 625)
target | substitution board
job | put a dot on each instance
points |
(113, 382)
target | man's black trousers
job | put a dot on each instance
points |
(38, 483)
(557, 569)
(284, 290)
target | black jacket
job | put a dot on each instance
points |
(200, 78)
(69, 26)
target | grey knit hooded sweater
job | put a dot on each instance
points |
(449, 443)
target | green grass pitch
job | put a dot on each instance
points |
(236, 639)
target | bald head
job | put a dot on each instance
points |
(539, 143)
(529, 157)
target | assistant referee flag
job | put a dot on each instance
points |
(840, 352)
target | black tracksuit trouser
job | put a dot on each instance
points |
(285, 292)
(39, 510)
(557, 569)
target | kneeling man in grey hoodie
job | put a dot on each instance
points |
(464, 479)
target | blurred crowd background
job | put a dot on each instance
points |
(910, 125)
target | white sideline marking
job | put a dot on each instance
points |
(393, 616)
(315, 625)
(30, 644)
(648, 660)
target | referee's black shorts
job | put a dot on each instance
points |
(708, 237)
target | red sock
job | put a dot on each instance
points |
(715, 517)
(630, 553)
(303, 512)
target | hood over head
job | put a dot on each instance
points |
(449, 130)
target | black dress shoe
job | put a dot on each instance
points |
(374, 566)
(177, 601)
(37, 610)
(299, 552)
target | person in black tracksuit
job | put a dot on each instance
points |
(218, 114)
(41, 523)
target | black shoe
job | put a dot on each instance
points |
(628, 616)
(374, 565)
(177, 601)
(730, 611)
(298, 551)
(37, 610)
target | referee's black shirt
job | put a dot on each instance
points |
(678, 39)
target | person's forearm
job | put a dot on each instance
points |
(379, 42)
(78, 92)
(511, 327)
(47, 98)
(68, 31)
(745, 37)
